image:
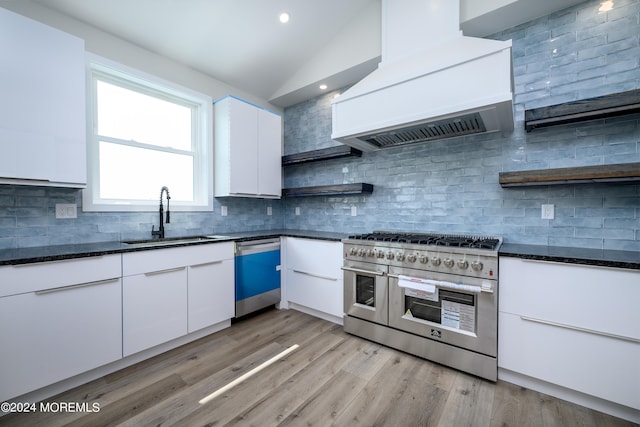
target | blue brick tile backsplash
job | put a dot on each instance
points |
(446, 186)
(451, 186)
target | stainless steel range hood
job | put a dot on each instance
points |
(432, 82)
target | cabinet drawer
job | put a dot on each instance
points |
(51, 336)
(318, 293)
(167, 258)
(597, 298)
(593, 364)
(23, 278)
(318, 257)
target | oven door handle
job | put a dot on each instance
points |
(357, 270)
(488, 288)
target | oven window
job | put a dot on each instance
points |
(422, 309)
(365, 290)
(453, 309)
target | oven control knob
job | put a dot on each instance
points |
(448, 262)
(371, 253)
(435, 260)
(353, 251)
(411, 257)
(476, 265)
(463, 264)
(389, 255)
(380, 254)
(400, 256)
(424, 259)
(361, 252)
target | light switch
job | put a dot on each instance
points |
(223, 210)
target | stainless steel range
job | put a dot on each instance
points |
(434, 296)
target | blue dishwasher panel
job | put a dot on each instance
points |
(257, 273)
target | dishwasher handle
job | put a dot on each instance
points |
(257, 246)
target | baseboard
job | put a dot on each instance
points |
(582, 399)
(315, 313)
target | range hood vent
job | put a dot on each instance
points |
(449, 128)
(432, 83)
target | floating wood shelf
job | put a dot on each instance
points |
(328, 190)
(617, 104)
(625, 172)
(321, 154)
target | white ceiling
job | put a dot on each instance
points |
(242, 42)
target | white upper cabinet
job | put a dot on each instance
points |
(42, 107)
(248, 150)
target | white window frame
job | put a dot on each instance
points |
(203, 166)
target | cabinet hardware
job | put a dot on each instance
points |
(455, 286)
(169, 270)
(80, 285)
(357, 270)
(204, 264)
(316, 275)
(579, 329)
(55, 261)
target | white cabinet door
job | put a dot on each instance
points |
(42, 107)
(243, 124)
(248, 150)
(575, 326)
(314, 276)
(269, 154)
(593, 364)
(154, 309)
(54, 334)
(211, 293)
(322, 293)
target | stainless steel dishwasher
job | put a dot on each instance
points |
(257, 275)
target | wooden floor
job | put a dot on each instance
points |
(332, 379)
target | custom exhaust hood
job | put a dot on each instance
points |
(432, 82)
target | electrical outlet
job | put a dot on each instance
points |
(548, 212)
(354, 211)
(223, 210)
(297, 210)
(269, 210)
(66, 211)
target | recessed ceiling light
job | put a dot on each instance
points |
(284, 17)
(323, 87)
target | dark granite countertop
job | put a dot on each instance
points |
(598, 257)
(81, 250)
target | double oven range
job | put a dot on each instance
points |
(434, 296)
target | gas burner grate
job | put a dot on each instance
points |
(449, 240)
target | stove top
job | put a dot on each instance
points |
(447, 240)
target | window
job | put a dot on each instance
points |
(145, 134)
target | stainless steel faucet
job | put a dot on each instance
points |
(160, 232)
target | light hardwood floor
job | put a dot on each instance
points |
(332, 379)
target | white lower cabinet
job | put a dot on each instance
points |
(55, 331)
(313, 277)
(154, 308)
(211, 296)
(170, 292)
(573, 326)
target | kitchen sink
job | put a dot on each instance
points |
(172, 240)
